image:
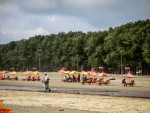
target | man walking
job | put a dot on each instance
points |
(46, 82)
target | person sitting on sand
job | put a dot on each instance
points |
(68, 77)
(73, 78)
(124, 80)
(65, 78)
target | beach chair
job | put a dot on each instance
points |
(76, 79)
(106, 82)
(8, 77)
(100, 80)
(1, 77)
(131, 83)
(70, 79)
(28, 78)
(33, 79)
(63, 80)
(124, 84)
(94, 80)
(38, 78)
(15, 78)
(88, 81)
(4, 110)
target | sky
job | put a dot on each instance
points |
(22, 19)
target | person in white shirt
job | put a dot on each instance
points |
(46, 82)
(3, 75)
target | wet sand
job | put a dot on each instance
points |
(37, 102)
(27, 101)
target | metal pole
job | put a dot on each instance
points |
(77, 62)
(39, 64)
(121, 64)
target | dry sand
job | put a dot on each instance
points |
(37, 102)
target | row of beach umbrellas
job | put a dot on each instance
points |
(90, 73)
(24, 73)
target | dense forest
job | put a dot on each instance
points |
(124, 46)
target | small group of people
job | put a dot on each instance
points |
(73, 78)
(84, 78)
(45, 82)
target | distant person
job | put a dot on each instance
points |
(124, 80)
(3, 75)
(65, 78)
(78, 77)
(83, 79)
(73, 78)
(68, 77)
(46, 82)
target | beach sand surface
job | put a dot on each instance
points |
(40, 102)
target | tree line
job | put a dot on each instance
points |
(114, 49)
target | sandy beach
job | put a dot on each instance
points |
(37, 102)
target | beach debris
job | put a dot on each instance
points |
(61, 109)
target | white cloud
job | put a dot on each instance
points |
(33, 32)
(68, 23)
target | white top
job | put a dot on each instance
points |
(46, 77)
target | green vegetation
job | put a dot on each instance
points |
(82, 50)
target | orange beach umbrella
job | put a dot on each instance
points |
(36, 73)
(129, 75)
(13, 73)
(4, 71)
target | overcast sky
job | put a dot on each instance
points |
(21, 19)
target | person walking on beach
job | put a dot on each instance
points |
(46, 82)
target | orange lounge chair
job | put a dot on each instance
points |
(33, 79)
(4, 110)
(106, 82)
(15, 78)
(70, 79)
(38, 78)
(94, 80)
(28, 78)
(63, 80)
(131, 83)
(88, 81)
(1, 77)
(76, 79)
(100, 80)
(124, 84)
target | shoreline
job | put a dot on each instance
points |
(133, 94)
